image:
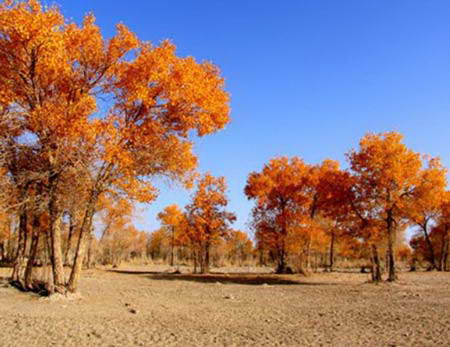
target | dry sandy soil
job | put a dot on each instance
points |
(141, 306)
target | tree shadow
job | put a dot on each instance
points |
(225, 278)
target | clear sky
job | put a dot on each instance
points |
(307, 78)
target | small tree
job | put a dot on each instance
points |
(280, 204)
(172, 218)
(207, 217)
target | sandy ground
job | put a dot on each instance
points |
(140, 306)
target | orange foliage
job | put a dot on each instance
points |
(386, 176)
(239, 247)
(207, 217)
(290, 195)
(53, 72)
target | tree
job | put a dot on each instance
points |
(208, 218)
(158, 243)
(173, 219)
(239, 247)
(427, 199)
(52, 74)
(437, 239)
(280, 204)
(291, 197)
(387, 173)
(444, 226)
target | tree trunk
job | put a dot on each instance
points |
(90, 251)
(281, 263)
(261, 257)
(195, 260)
(69, 239)
(444, 253)
(56, 251)
(376, 267)
(391, 255)
(172, 242)
(205, 260)
(81, 247)
(331, 265)
(77, 263)
(413, 262)
(20, 252)
(308, 253)
(31, 259)
(48, 277)
(430, 247)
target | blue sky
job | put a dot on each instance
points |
(307, 78)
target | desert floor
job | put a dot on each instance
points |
(143, 306)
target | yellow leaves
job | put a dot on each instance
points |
(171, 216)
(59, 73)
(428, 196)
(207, 213)
(278, 180)
(186, 94)
(386, 159)
(386, 166)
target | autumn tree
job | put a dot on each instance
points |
(444, 229)
(158, 243)
(173, 219)
(208, 218)
(387, 173)
(117, 234)
(52, 74)
(427, 199)
(239, 247)
(279, 207)
(437, 239)
(292, 198)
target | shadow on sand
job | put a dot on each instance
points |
(223, 278)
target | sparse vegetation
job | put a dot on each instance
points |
(90, 125)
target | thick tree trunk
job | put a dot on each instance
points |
(56, 251)
(262, 261)
(430, 247)
(281, 262)
(444, 252)
(376, 267)
(48, 277)
(69, 239)
(205, 260)
(32, 259)
(81, 247)
(85, 228)
(77, 263)
(413, 266)
(391, 253)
